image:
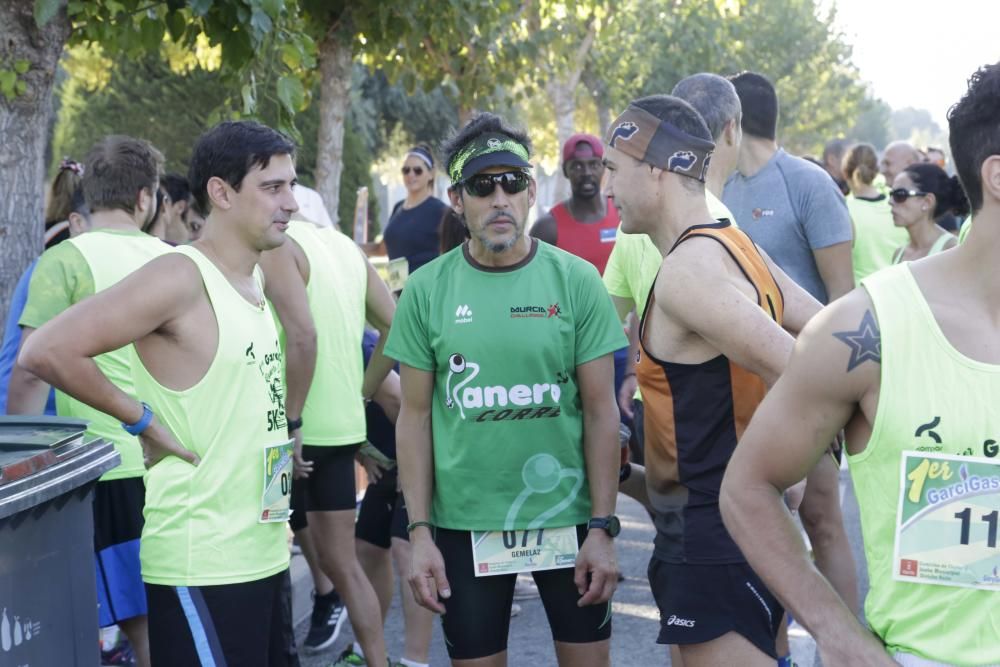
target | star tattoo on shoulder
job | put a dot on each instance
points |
(865, 343)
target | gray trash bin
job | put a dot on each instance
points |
(48, 596)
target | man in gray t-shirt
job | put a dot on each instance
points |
(790, 207)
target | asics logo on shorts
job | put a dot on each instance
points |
(682, 622)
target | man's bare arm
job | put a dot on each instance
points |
(545, 229)
(836, 268)
(800, 305)
(388, 396)
(26, 392)
(827, 378)
(379, 310)
(285, 288)
(697, 292)
(61, 351)
(414, 452)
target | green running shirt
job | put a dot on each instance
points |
(504, 345)
(202, 522)
(932, 399)
(334, 413)
(69, 273)
(876, 237)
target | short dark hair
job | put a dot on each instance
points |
(229, 151)
(837, 148)
(681, 115)
(947, 191)
(975, 130)
(713, 97)
(760, 104)
(116, 169)
(177, 187)
(482, 123)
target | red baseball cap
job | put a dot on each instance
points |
(572, 148)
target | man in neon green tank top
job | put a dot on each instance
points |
(119, 185)
(507, 432)
(909, 366)
(323, 289)
(207, 367)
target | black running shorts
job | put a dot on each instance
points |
(699, 603)
(477, 615)
(330, 486)
(118, 525)
(232, 624)
(383, 513)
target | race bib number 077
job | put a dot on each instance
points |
(511, 551)
(946, 525)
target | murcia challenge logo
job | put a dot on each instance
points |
(545, 312)
(516, 402)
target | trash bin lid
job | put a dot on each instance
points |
(31, 444)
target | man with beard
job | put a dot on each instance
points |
(586, 223)
(120, 180)
(508, 427)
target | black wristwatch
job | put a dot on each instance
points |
(609, 524)
(294, 424)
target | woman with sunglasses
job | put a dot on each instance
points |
(875, 236)
(920, 195)
(413, 226)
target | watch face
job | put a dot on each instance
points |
(614, 526)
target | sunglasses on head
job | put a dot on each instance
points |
(483, 185)
(900, 195)
(417, 171)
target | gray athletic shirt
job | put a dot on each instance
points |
(790, 208)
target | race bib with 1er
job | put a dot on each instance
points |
(512, 551)
(275, 505)
(946, 525)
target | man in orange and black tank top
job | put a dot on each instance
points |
(585, 224)
(716, 333)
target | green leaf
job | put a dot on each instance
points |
(20, 87)
(261, 22)
(21, 66)
(152, 33)
(75, 7)
(249, 103)
(291, 56)
(45, 11)
(272, 7)
(291, 93)
(201, 7)
(176, 25)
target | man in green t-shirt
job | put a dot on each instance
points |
(507, 433)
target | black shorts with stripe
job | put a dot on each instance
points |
(231, 624)
(118, 523)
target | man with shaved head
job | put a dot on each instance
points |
(898, 156)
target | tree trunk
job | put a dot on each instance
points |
(24, 124)
(335, 58)
(564, 108)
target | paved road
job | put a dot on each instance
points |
(636, 620)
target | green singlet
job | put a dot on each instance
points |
(504, 346)
(932, 399)
(876, 237)
(69, 273)
(334, 413)
(202, 523)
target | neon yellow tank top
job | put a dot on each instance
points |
(932, 399)
(875, 236)
(334, 413)
(112, 255)
(202, 522)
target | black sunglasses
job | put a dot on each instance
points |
(483, 185)
(900, 195)
(418, 171)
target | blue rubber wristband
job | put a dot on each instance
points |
(143, 423)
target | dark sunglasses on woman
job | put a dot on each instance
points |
(417, 171)
(900, 195)
(483, 185)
